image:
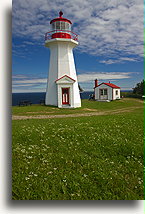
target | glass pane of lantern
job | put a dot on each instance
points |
(67, 26)
(53, 26)
(62, 25)
(57, 25)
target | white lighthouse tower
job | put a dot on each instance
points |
(62, 86)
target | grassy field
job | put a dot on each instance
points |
(82, 158)
(86, 106)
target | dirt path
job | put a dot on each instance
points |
(130, 109)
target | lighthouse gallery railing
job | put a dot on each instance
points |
(49, 34)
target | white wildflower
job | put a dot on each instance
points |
(27, 178)
(55, 168)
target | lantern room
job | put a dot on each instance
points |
(60, 28)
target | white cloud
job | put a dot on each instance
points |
(105, 28)
(119, 60)
(27, 90)
(20, 80)
(29, 43)
(29, 81)
(91, 76)
(21, 83)
(19, 76)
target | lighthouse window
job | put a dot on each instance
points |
(67, 26)
(58, 26)
(62, 25)
(53, 26)
(116, 92)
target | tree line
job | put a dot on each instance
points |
(139, 88)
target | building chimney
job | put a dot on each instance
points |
(96, 83)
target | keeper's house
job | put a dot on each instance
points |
(106, 91)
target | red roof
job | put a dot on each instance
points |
(65, 76)
(60, 18)
(110, 85)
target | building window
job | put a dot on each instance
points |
(103, 92)
(116, 92)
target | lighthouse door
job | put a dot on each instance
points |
(65, 96)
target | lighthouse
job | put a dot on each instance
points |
(62, 85)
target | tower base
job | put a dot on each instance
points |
(62, 87)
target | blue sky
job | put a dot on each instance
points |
(110, 41)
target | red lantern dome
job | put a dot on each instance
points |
(60, 18)
(61, 28)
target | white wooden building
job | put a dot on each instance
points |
(106, 91)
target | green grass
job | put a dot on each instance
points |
(91, 105)
(84, 158)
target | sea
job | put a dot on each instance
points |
(35, 98)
